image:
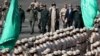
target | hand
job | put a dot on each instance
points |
(65, 21)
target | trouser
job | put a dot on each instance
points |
(68, 24)
(43, 27)
(32, 23)
(21, 26)
(57, 25)
(63, 23)
(77, 25)
(39, 25)
(49, 25)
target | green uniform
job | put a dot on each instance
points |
(44, 19)
(33, 19)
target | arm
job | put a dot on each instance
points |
(29, 8)
(23, 15)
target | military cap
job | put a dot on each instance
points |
(40, 41)
(77, 52)
(18, 42)
(21, 55)
(49, 54)
(97, 43)
(46, 38)
(84, 29)
(77, 30)
(55, 53)
(51, 33)
(37, 37)
(64, 55)
(51, 38)
(46, 51)
(57, 31)
(89, 53)
(59, 52)
(98, 49)
(30, 39)
(43, 40)
(32, 50)
(64, 34)
(69, 52)
(68, 33)
(40, 36)
(71, 33)
(95, 50)
(61, 30)
(26, 45)
(20, 49)
(36, 42)
(16, 51)
(34, 38)
(92, 52)
(60, 35)
(55, 37)
(46, 34)
(86, 54)
(71, 27)
(66, 29)
(24, 40)
(81, 30)
(63, 51)
(5, 50)
(99, 19)
(85, 34)
(96, 29)
(74, 52)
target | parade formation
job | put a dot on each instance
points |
(73, 39)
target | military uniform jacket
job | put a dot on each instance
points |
(44, 16)
(33, 14)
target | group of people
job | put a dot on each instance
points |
(64, 42)
(48, 19)
(52, 16)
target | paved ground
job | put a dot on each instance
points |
(25, 3)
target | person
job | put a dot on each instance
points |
(33, 16)
(44, 18)
(78, 22)
(69, 16)
(1, 16)
(22, 15)
(37, 6)
(0, 12)
(39, 16)
(62, 14)
(5, 8)
(36, 3)
(54, 18)
(4, 12)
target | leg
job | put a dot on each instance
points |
(33, 23)
(43, 27)
(31, 26)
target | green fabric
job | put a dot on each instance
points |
(98, 12)
(89, 12)
(11, 29)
